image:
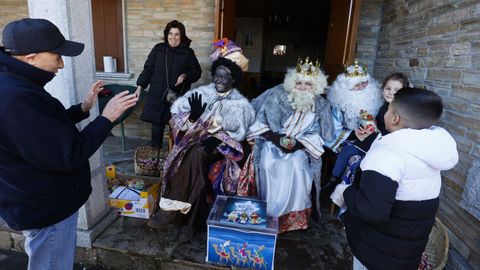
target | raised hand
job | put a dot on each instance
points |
(118, 105)
(196, 106)
(92, 95)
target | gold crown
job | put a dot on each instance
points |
(307, 67)
(356, 70)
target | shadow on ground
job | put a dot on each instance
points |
(128, 243)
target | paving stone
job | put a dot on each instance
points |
(128, 243)
(132, 235)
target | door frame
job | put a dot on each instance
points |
(349, 49)
(336, 63)
(224, 15)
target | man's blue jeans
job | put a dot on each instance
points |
(52, 247)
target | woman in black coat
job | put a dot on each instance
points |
(183, 70)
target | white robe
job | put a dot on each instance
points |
(285, 179)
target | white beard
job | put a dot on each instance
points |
(302, 100)
(351, 102)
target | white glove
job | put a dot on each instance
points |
(337, 194)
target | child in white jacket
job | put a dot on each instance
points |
(391, 206)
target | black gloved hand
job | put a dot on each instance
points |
(298, 146)
(273, 137)
(196, 106)
(210, 145)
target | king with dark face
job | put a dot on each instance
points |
(223, 79)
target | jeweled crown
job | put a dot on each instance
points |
(307, 67)
(356, 70)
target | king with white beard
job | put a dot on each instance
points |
(353, 91)
(292, 122)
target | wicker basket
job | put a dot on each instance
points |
(437, 246)
(148, 161)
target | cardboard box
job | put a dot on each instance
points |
(236, 239)
(146, 204)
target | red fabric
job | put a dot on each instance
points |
(297, 220)
(215, 171)
(246, 184)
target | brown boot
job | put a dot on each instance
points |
(185, 234)
(161, 219)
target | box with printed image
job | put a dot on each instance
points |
(240, 234)
(133, 196)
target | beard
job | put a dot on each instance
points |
(303, 101)
(351, 102)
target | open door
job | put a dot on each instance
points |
(225, 19)
(342, 34)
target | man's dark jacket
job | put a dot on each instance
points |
(44, 169)
(180, 59)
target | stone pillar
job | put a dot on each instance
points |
(74, 19)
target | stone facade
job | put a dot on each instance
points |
(437, 44)
(368, 32)
(145, 21)
(12, 10)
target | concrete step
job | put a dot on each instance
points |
(130, 244)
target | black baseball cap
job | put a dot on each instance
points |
(27, 36)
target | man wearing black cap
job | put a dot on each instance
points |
(44, 168)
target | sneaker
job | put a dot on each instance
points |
(185, 234)
(161, 219)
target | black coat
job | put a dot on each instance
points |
(44, 169)
(385, 233)
(181, 59)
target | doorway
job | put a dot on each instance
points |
(275, 33)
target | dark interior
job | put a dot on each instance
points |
(301, 26)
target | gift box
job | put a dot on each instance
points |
(367, 121)
(240, 234)
(133, 196)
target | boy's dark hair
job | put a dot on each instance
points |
(402, 78)
(235, 70)
(183, 36)
(419, 108)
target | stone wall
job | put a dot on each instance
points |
(12, 10)
(437, 43)
(145, 22)
(368, 32)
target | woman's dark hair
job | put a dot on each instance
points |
(403, 79)
(183, 36)
(235, 70)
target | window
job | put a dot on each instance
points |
(108, 32)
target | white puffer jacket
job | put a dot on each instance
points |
(414, 159)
